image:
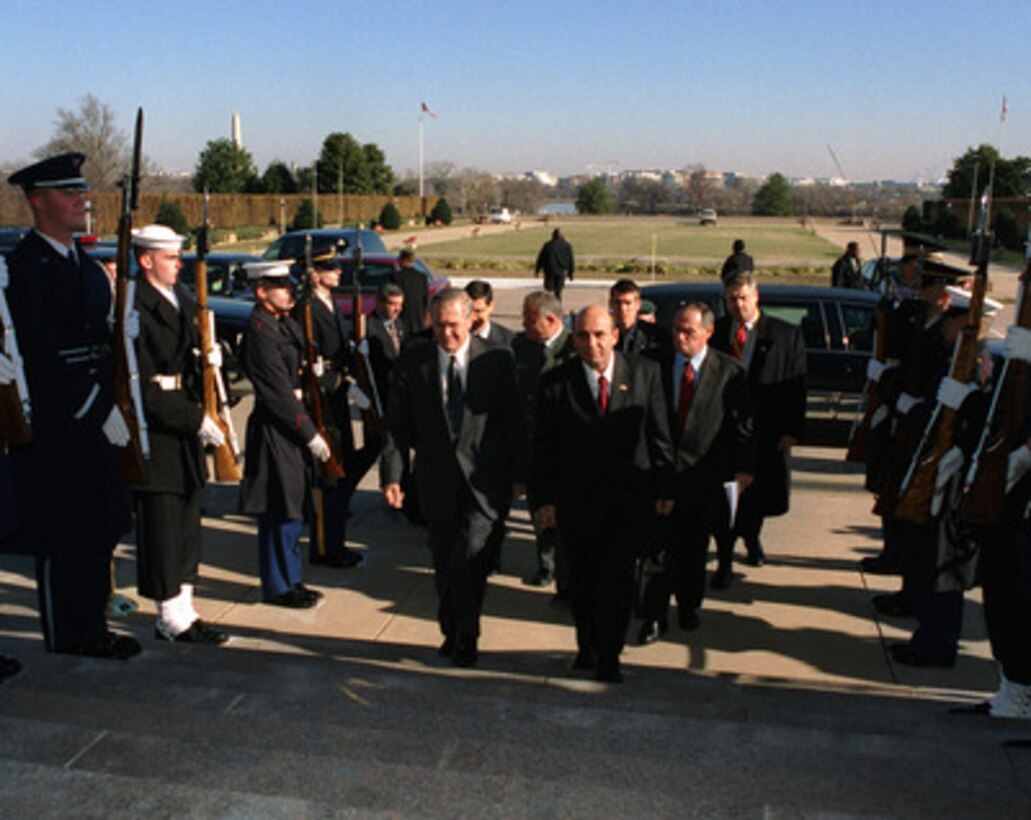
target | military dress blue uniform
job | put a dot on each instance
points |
(72, 505)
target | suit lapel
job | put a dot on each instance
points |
(622, 383)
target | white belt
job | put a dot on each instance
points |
(168, 383)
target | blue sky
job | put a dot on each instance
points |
(898, 89)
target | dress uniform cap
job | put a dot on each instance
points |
(940, 273)
(61, 171)
(914, 243)
(157, 238)
(274, 271)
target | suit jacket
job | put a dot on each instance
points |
(489, 455)
(533, 359)
(718, 440)
(60, 312)
(417, 298)
(500, 336)
(556, 260)
(382, 355)
(645, 338)
(776, 384)
(165, 346)
(277, 469)
(603, 473)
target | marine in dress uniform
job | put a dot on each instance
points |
(168, 505)
(60, 302)
(281, 437)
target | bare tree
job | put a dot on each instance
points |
(92, 131)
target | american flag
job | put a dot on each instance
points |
(425, 109)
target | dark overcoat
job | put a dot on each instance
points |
(67, 490)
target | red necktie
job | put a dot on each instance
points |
(603, 395)
(740, 339)
(686, 396)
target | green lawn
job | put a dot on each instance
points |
(631, 238)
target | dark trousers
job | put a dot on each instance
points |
(1006, 577)
(73, 588)
(168, 539)
(336, 504)
(552, 555)
(601, 578)
(697, 509)
(279, 553)
(748, 524)
(555, 284)
(462, 558)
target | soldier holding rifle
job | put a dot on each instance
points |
(168, 506)
(282, 438)
(60, 301)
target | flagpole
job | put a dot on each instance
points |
(420, 158)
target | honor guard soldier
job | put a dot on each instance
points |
(333, 342)
(60, 303)
(281, 437)
(168, 506)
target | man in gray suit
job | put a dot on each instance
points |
(457, 405)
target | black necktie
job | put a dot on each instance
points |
(454, 398)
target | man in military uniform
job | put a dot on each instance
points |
(60, 302)
(281, 437)
(168, 505)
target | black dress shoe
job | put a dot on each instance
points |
(293, 599)
(314, 593)
(907, 655)
(688, 620)
(756, 555)
(609, 673)
(198, 632)
(877, 565)
(345, 560)
(465, 653)
(9, 667)
(721, 578)
(651, 631)
(447, 649)
(893, 604)
(584, 660)
(541, 578)
(111, 647)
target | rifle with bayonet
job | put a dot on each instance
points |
(215, 398)
(132, 458)
(873, 393)
(15, 405)
(331, 468)
(984, 487)
(365, 378)
(918, 485)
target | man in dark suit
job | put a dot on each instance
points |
(847, 270)
(555, 260)
(168, 507)
(773, 355)
(60, 301)
(711, 422)
(282, 440)
(543, 345)
(484, 326)
(635, 337)
(602, 468)
(737, 262)
(416, 289)
(384, 334)
(456, 403)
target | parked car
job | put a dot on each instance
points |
(226, 276)
(9, 237)
(291, 245)
(837, 327)
(707, 216)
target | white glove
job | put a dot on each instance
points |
(115, 428)
(1018, 344)
(319, 448)
(7, 369)
(948, 466)
(210, 434)
(214, 358)
(953, 393)
(5, 280)
(363, 347)
(355, 394)
(907, 402)
(132, 324)
(880, 415)
(1018, 463)
(319, 368)
(875, 369)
